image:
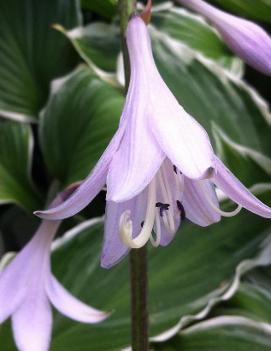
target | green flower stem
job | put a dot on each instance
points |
(126, 8)
(138, 257)
(139, 301)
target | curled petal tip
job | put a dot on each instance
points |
(38, 213)
(67, 192)
(146, 13)
(61, 197)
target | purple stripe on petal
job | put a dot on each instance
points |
(113, 248)
(236, 191)
(181, 137)
(139, 156)
(197, 208)
(70, 306)
(160, 118)
(91, 186)
(135, 163)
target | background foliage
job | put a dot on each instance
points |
(61, 96)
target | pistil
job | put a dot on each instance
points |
(126, 225)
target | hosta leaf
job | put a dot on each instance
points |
(105, 8)
(253, 297)
(196, 269)
(225, 333)
(251, 301)
(16, 147)
(97, 43)
(192, 31)
(251, 166)
(77, 123)
(241, 323)
(16, 233)
(32, 53)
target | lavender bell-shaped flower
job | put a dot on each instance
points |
(159, 167)
(28, 288)
(248, 40)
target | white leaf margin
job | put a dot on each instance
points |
(263, 259)
(221, 137)
(222, 321)
(79, 32)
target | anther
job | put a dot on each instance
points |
(181, 209)
(162, 207)
(175, 169)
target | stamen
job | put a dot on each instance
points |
(181, 209)
(217, 209)
(156, 242)
(162, 207)
(179, 180)
(126, 225)
(169, 218)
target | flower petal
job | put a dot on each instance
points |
(236, 191)
(89, 188)
(113, 248)
(139, 156)
(70, 306)
(154, 108)
(181, 137)
(16, 278)
(135, 163)
(32, 321)
(13, 285)
(197, 208)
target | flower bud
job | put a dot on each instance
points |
(245, 38)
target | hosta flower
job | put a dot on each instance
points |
(28, 288)
(245, 38)
(159, 167)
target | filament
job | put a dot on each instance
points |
(179, 178)
(156, 242)
(168, 219)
